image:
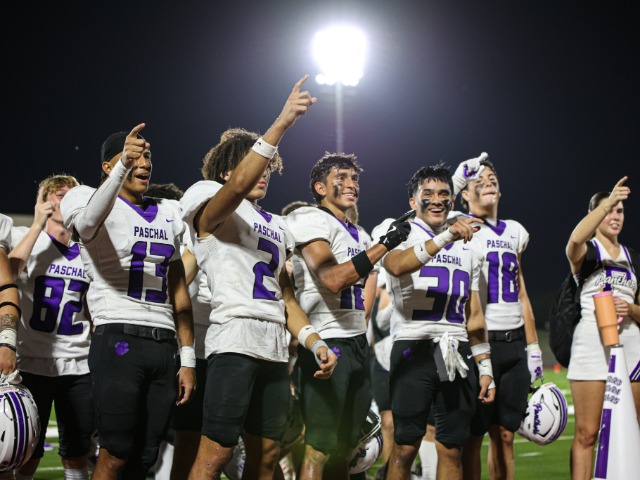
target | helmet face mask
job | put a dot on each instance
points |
(19, 426)
(546, 415)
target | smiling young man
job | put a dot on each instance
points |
(242, 249)
(138, 302)
(516, 356)
(437, 326)
(54, 329)
(332, 261)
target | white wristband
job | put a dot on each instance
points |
(480, 349)
(443, 239)
(187, 357)
(317, 344)
(304, 333)
(421, 253)
(533, 347)
(263, 148)
(485, 367)
(9, 336)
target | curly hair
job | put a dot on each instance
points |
(323, 167)
(55, 182)
(164, 190)
(234, 145)
(434, 172)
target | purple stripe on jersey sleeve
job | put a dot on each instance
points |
(148, 210)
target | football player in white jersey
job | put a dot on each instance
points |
(515, 354)
(138, 301)
(54, 330)
(437, 327)
(242, 250)
(9, 300)
(589, 364)
(332, 260)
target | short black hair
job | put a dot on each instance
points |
(234, 145)
(290, 207)
(435, 172)
(164, 190)
(485, 163)
(323, 167)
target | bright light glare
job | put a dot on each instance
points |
(340, 52)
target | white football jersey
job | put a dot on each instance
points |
(5, 232)
(242, 262)
(333, 315)
(431, 300)
(200, 303)
(501, 243)
(54, 333)
(128, 259)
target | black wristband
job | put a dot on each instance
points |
(8, 285)
(8, 345)
(362, 263)
(13, 305)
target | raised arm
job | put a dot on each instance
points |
(577, 246)
(20, 253)
(402, 262)
(254, 164)
(88, 221)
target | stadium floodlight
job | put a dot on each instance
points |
(340, 51)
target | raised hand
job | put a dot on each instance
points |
(398, 231)
(43, 210)
(466, 171)
(464, 230)
(296, 105)
(619, 194)
(134, 147)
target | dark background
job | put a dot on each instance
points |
(548, 88)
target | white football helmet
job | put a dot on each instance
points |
(546, 415)
(19, 426)
(368, 450)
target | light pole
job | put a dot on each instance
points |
(340, 51)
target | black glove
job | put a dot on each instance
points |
(398, 231)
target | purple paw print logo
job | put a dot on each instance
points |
(336, 350)
(407, 354)
(122, 348)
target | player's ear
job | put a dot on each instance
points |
(465, 194)
(106, 167)
(413, 204)
(320, 188)
(227, 176)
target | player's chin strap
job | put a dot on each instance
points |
(14, 378)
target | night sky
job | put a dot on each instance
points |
(549, 91)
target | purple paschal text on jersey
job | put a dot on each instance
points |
(122, 348)
(336, 350)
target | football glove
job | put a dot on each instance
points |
(398, 231)
(534, 361)
(467, 170)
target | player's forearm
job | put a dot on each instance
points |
(585, 229)
(370, 288)
(89, 220)
(19, 256)
(190, 265)
(337, 277)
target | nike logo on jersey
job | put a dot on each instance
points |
(169, 219)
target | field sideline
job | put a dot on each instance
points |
(532, 461)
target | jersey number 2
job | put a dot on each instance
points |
(51, 303)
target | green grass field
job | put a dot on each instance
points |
(550, 462)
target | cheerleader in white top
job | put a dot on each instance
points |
(242, 250)
(589, 358)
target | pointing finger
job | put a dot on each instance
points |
(136, 130)
(621, 181)
(39, 198)
(296, 87)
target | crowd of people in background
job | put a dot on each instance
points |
(138, 310)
